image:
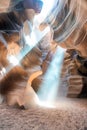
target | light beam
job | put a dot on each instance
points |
(36, 36)
(49, 87)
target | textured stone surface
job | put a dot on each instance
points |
(68, 115)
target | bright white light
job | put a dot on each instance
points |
(3, 71)
(46, 104)
(47, 6)
(13, 60)
(35, 36)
